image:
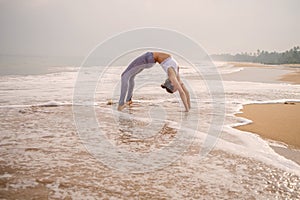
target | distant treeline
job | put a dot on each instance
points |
(291, 56)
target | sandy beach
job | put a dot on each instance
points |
(42, 155)
(271, 117)
(256, 72)
(250, 64)
(54, 164)
(279, 121)
(275, 121)
(293, 77)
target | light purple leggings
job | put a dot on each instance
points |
(127, 78)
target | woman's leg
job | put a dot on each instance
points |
(130, 88)
(124, 87)
(127, 77)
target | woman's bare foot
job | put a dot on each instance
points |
(129, 102)
(120, 108)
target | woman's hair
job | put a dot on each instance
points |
(168, 86)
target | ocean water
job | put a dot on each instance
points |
(49, 147)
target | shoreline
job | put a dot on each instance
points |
(275, 121)
(291, 77)
(253, 64)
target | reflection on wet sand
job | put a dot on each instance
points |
(42, 156)
(51, 162)
(140, 134)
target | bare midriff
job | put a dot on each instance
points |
(160, 57)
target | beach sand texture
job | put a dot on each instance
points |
(42, 156)
(54, 164)
(278, 121)
(293, 77)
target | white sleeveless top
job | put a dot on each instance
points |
(169, 62)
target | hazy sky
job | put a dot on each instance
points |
(74, 27)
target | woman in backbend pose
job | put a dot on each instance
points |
(147, 60)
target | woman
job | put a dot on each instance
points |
(147, 60)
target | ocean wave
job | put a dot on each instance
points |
(46, 104)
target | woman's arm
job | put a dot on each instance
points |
(177, 86)
(187, 94)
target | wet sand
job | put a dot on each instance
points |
(289, 73)
(278, 121)
(293, 77)
(256, 72)
(250, 64)
(42, 157)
